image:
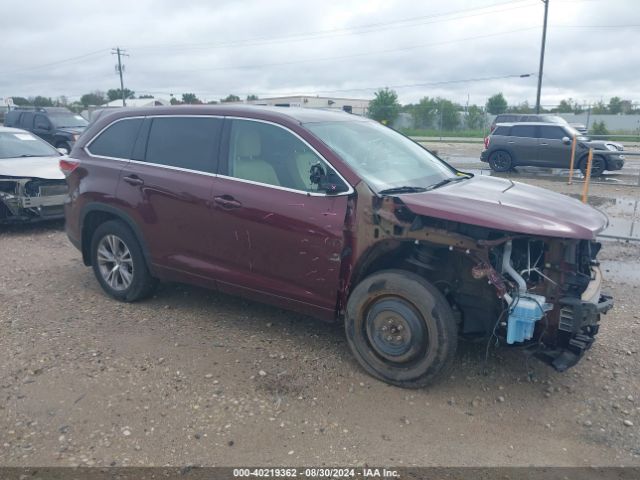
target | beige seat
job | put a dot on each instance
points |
(247, 163)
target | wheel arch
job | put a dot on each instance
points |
(505, 149)
(93, 215)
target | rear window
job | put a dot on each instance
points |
(528, 131)
(117, 140)
(185, 142)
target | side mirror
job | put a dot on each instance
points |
(330, 182)
(566, 140)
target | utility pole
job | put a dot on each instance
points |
(120, 68)
(544, 39)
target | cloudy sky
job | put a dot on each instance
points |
(458, 49)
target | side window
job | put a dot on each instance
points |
(528, 131)
(42, 123)
(501, 131)
(269, 154)
(26, 120)
(552, 133)
(117, 140)
(184, 142)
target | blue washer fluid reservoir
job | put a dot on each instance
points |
(528, 309)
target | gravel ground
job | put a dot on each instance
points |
(196, 377)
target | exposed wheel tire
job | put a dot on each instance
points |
(401, 329)
(118, 262)
(500, 161)
(598, 166)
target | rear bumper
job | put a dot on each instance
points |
(484, 156)
(579, 322)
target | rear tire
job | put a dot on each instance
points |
(500, 161)
(598, 166)
(401, 329)
(118, 263)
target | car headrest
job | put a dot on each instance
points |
(249, 144)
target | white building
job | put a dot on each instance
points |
(357, 106)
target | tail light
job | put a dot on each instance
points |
(68, 165)
(487, 140)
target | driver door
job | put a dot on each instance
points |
(278, 238)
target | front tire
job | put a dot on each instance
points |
(500, 161)
(118, 263)
(401, 329)
(598, 166)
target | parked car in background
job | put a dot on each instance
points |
(32, 187)
(57, 125)
(580, 127)
(338, 217)
(527, 117)
(546, 145)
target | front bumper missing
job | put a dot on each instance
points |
(577, 328)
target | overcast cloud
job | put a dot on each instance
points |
(214, 48)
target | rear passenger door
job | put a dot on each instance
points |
(167, 188)
(523, 143)
(553, 151)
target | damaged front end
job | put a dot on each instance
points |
(539, 292)
(31, 199)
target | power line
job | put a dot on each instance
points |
(58, 62)
(367, 28)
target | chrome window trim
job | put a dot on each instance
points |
(251, 182)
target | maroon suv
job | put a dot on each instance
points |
(341, 218)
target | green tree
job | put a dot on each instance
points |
(94, 98)
(21, 101)
(175, 101)
(40, 101)
(424, 112)
(384, 107)
(599, 108)
(475, 117)
(565, 106)
(116, 94)
(497, 104)
(252, 97)
(230, 98)
(190, 98)
(448, 112)
(599, 128)
(615, 105)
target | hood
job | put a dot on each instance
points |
(31, 167)
(509, 206)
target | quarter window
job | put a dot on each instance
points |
(269, 154)
(523, 131)
(185, 142)
(117, 140)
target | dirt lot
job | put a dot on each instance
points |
(195, 377)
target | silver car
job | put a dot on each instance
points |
(32, 186)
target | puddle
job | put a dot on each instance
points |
(623, 213)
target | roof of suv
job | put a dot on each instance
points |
(297, 114)
(512, 124)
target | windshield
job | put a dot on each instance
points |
(384, 158)
(23, 144)
(61, 120)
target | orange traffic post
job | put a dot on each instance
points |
(573, 158)
(587, 178)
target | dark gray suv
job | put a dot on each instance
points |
(546, 145)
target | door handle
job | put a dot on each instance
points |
(544, 144)
(511, 141)
(227, 202)
(133, 180)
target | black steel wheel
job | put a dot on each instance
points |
(500, 161)
(401, 329)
